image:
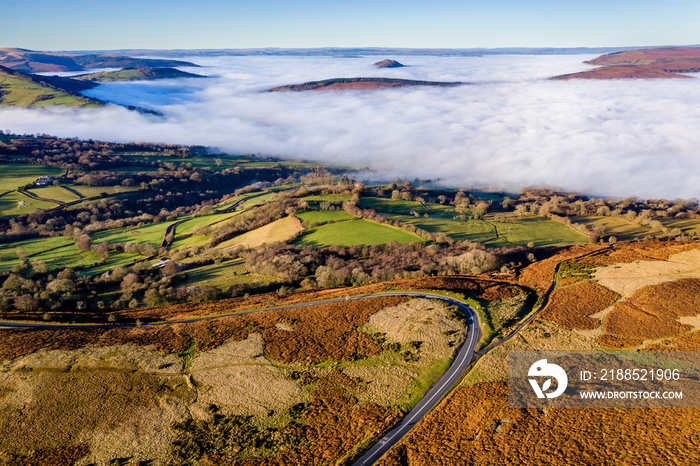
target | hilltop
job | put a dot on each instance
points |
(389, 64)
(32, 61)
(664, 62)
(359, 83)
(137, 74)
(24, 90)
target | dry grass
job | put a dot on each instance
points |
(464, 429)
(571, 307)
(281, 230)
(653, 312)
(626, 279)
(383, 386)
(237, 376)
(420, 320)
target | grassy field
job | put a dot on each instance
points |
(54, 192)
(59, 258)
(281, 230)
(115, 260)
(32, 246)
(356, 232)
(327, 197)
(225, 274)
(151, 234)
(459, 230)
(622, 229)
(397, 206)
(186, 227)
(323, 216)
(19, 92)
(91, 191)
(15, 175)
(538, 230)
(10, 204)
(188, 241)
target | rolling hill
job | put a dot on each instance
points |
(664, 62)
(32, 61)
(360, 83)
(19, 89)
(137, 74)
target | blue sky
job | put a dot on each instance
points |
(98, 24)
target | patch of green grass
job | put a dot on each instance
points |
(15, 175)
(188, 241)
(391, 206)
(226, 274)
(323, 216)
(427, 376)
(18, 91)
(459, 230)
(114, 260)
(91, 191)
(185, 228)
(32, 246)
(53, 192)
(327, 197)
(356, 232)
(622, 229)
(14, 203)
(258, 200)
(539, 230)
(152, 234)
(59, 258)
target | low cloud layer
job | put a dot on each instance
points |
(509, 128)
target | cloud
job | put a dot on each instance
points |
(510, 127)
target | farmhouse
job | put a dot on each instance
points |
(44, 180)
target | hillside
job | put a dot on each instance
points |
(386, 63)
(137, 74)
(665, 62)
(360, 83)
(19, 89)
(33, 61)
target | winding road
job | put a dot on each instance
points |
(463, 358)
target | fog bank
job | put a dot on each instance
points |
(510, 127)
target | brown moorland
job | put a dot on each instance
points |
(653, 311)
(571, 307)
(359, 84)
(475, 426)
(663, 62)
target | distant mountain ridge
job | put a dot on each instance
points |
(36, 62)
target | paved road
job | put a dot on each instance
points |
(463, 358)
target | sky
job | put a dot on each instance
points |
(174, 24)
(510, 128)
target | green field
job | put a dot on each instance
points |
(188, 241)
(54, 192)
(22, 92)
(32, 246)
(327, 197)
(323, 216)
(539, 230)
(459, 230)
(151, 234)
(115, 259)
(622, 229)
(59, 258)
(258, 200)
(225, 274)
(397, 206)
(355, 232)
(10, 204)
(15, 175)
(91, 191)
(185, 228)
